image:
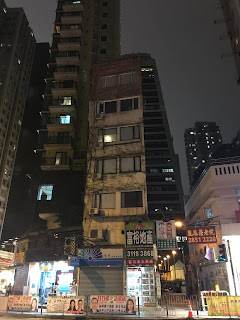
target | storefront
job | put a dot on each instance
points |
(141, 281)
(49, 277)
(100, 271)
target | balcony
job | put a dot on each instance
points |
(66, 73)
(68, 58)
(55, 141)
(71, 6)
(66, 104)
(56, 123)
(71, 17)
(64, 88)
(56, 163)
(70, 30)
(69, 44)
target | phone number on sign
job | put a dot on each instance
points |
(202, 239)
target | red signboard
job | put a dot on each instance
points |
(140, 262)
(201, 235)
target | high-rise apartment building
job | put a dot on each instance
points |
(84, 33)
(201, 142)
(17, 45)
(231, 11)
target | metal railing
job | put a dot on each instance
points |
(58, 140)
(56, 161)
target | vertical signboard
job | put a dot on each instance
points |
(166, 235)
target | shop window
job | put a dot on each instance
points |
(105, 201)
(128, 78)
(108, 107)
(129, 104)
(107, 135)
(65, 119)
(45, 192)
(107, 82)
(208, 213)
(131, 199)
(130, 164)
(129, 133)
(67, 101)
(105, 166)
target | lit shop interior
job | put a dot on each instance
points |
(50, 277)
(140, 281)
(6, 279)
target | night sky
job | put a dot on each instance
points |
(197, 84)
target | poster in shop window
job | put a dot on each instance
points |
(71, 305)
(112, 304)
(22, 303)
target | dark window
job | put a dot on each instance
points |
(108, 107)
(105, 14)
(104, 26)
(103, 51)
(131, 199)
(103, 38)
(129, 104)
(129, 133)
(105, 3)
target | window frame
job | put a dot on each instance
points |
(134, 206)
(134, 164)
(101, 79)
(104, 129)
(132, 126)
(39, 195)
(97, 200)
(102, 166)
(103, 103)
(133, 99)
(132, 78)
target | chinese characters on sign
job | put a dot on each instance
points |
(140, 234)
(139, 253)
(112, 304)
(166, 235)
(201, 235)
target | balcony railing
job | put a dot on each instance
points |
(67, 69)
(64, 85)
(59, 120)
(62, 102)
(69, 40)
(56, 161)
(72, 14)
(67, 54)
(71, 27)
(58, 140)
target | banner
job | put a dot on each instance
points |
(97, 257)
(71, 305)
(201, 235)
(22, 303)
(140, 234)
(223, 305)
(6, 259)
(112, 304)
(166, 235)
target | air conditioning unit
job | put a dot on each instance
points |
(97, 176)
(99, 115)
(96, 234)
(93, 211)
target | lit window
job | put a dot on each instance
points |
(107, 82)
(128, 78)
(107, 135)
(169, 179)
(168, 170)
(105, 201)
(45, 192)
(131, 199)
(208, 213)
(65, 119)
(67, 101)
(129, 104)
(191, 132)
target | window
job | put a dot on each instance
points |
(106, 166)
(128, 78)
(104, 26)
(61, 158)
(168, 170)
(45, 192)
(67, 101)
(107, 135)
(103, 38)
(208, 213)
(105, 201)
(131, 199)
(107, 82)
(130, 164)
(129, 104)
(65, 119)
(129, 133)
(104, 14)
(103, 51)
(108, 107)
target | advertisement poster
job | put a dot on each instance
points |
(64, 279)
(166, 235)
(97, 257)
(72, 305)
(140, 234)
(22, 303)
(201, 235)
(223, 306)
(112, 304)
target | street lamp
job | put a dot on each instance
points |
(168, 257)
(165, 265)
(174, 253)
(178, 224)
